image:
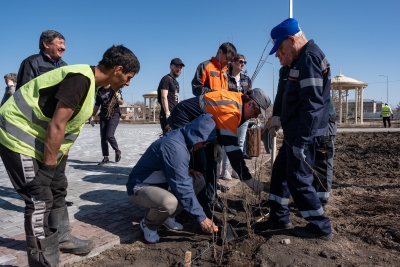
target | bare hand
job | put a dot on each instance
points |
(195, 174)
(208, 226)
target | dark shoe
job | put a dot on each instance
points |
(43, 252)
(270, 224)
(220, 207)
(223, 188)
(104, 161)
(302, 232)
(69, 203)
(117, 155)
(59, 219)
(247, 157)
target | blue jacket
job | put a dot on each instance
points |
(305, 103)
(170, 154)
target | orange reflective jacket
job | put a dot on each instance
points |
(210, 77)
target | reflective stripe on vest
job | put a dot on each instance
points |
(28, 112)
(385, 111)
(23, 126)
(226, 108)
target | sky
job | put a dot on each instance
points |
(359, 38)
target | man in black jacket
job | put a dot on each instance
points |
(52, 47)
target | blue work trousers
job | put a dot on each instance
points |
(297, 182)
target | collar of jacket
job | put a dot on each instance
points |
(55, 63)
(216, 63)
(304, 48)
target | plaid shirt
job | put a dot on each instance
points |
(244, 83)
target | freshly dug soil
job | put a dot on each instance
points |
(364, 209)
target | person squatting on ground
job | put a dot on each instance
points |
(160, 180)
(110, 114)
(229, 110)
(237, 82)
(37, 127)
(52, 48)
(11, 81)
(304, 119)
(168, 91)
(385, 114)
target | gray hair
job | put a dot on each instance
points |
(299, 35)
(11, 76)
(47, 37)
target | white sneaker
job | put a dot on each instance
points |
(235, 175)
(150, 236)
(225, 175)
(171, 224)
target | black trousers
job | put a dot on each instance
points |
(203, 161)
(21, 170)
(386, 119)
(107, 131)
(163, 120)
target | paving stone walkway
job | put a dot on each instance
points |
(102, 210)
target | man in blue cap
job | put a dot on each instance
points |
(304, 120)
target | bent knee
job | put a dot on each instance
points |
(170, 204)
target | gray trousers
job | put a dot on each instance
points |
(161, 203)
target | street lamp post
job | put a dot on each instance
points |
(273, 82)
(387, 88)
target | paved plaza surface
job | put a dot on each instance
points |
(102, 210)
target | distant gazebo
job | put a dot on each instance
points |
(152, 96)
(340, 85)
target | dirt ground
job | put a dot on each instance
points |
(364, 209)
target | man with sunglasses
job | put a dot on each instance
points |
(229, 110)
(168, 91)
(211, 75)
(304, 120)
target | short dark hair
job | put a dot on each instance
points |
(246, 98)
(47, 37)
(120, 56)
(228, 48)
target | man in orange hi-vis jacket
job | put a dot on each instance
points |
(211, 75)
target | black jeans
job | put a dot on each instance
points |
(386, 119)
(107, 131)
(21, 170)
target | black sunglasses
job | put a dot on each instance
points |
(242, 61)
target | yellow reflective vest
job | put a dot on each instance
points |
(385, 111)
(22, 124)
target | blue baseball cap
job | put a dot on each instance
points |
(281, 32)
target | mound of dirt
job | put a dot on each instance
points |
(364, 209)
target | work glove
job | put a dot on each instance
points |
(91, 121)
(273, 124)
(10, 83)
(218, 153)
(255, 185)
(380, 115)
(299, 153)
(39, 187)
(167, 115)
(392, 116)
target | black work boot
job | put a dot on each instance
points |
(43, 252)
(59, 219)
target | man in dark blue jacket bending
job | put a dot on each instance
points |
(161, 182)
